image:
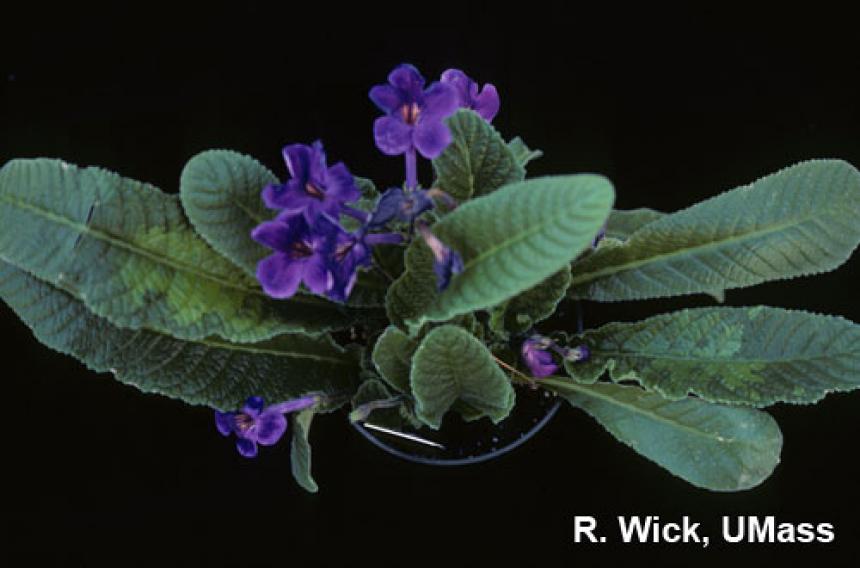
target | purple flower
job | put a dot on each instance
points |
(314, 188)
(302, 252)
(414, 115)
(576, 354)
(256, 424)
(537, 357)
(485, 103)
(403, 205)
(446, 262)
(353, 251)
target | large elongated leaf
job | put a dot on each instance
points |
(131, 256)
(721, 448)
(516, 237)
(220, 192)
(211, 372)
(452, 366)
(623, 223)
(477, 161)
(799, 221)
(756, 356)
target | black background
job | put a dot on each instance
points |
(672, 108)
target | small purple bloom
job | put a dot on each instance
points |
(414, 115)
(314, 188)
(353, 251)
(302, 252)
(485, 103)
(577, 354)
(257, 423)
(446, 262)
(403, 205)
(537, 357)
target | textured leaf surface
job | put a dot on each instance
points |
(721, 448)
(756, 356)
(414, 291)
(300, 450)
(522, 153)
(452, 366)
(522, 312)
(211, 372)
(799, 221)
(129, 253)
(516, 237)
(220, 192)
(478, 161)
(623, 223)
(392, 356)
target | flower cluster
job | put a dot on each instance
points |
(309, 244)
(259, 424)
(537, 353)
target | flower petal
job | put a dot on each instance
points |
(461, 82)
(487, 103)
(431, 138)
(298, 158)
(386, 208)
(316, 275)
(248, 448)
(224, 422)
(271, 425)
(253, 406)
(386, 97)
(408, 79)
(392, 135)
(317, 164)
(276, 235)
(279, 275)
(440, 101)
(340, 185)
(290, 195)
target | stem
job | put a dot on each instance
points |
(411, 169)
(361, 413)
(384, 239)
(520, 375)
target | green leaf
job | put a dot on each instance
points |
(413, 292)
(477, 161)
(220, 192)
(392, 357)
(799, 221)
(536, 304)
(623, 223)
(522, 153)
(210, 371)
(366, 187)
(452, 366)
(510, 241)
(300, 450)
(128, 252)
(755, 356)
(721, 448)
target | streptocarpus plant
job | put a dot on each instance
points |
(273, 301)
